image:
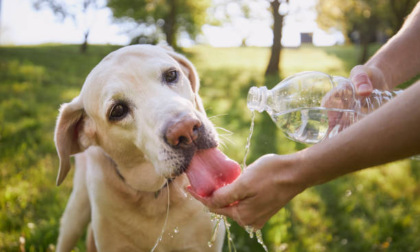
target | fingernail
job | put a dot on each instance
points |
(364, 88)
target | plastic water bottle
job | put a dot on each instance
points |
(312, 106)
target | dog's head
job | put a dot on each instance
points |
(140, 104)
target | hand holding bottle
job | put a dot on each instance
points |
(366, 79)
(310, 107)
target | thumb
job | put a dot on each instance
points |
(228, 195)
(222, 197)
(359, 76)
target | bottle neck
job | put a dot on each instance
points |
(257, 98)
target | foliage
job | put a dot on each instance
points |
(168, 16)
(350, 16)
(363, 20)
(373, 210)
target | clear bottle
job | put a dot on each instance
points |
(312, 106)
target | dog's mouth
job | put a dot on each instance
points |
(209, 170)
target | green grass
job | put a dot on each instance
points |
(373, 210)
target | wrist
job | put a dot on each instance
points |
(290, 173)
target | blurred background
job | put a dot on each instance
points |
(47, 48)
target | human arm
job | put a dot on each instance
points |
(395, 62)
(390, 133)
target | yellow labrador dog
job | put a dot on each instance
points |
(140, 136)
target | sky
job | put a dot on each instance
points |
(21, 24)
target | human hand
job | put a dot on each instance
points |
(258, 193)
(366, 78)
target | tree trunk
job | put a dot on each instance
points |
(364, 43)
(169, 28)
(367, 31)
(84, 45)
(274, 62)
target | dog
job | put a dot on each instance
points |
(135, 128)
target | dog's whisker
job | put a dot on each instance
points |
(228, 132)
(225, 138)
(215, 116)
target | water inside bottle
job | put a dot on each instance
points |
(312, 125)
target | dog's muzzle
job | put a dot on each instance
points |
(185, 136)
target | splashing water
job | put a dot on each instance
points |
(251, 231)
(258, 234)
(159, 239)
(214, 218)
(218, 218)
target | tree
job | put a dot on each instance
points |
(170, 17)
(397, 11)
(363, 20)
(70, 9)
(278, 18)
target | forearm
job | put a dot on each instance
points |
(399, 59)
(390, 133)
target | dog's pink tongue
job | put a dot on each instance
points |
(209, 170)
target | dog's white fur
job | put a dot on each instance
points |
(122, 166)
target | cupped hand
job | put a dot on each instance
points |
(258, 193)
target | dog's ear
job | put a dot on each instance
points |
(70, 134)
(190, 71)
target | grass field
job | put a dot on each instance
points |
(373, 210)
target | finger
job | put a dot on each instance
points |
(205, 201)
(228, 195)
(213, 202)
(360, 78)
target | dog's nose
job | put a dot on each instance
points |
(182, 132)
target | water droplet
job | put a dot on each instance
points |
(210, 244)
(260, 240)
(250, 231)
(176, 230)
(348, 193)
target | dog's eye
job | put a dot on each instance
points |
(118, 112)
(170, 76)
